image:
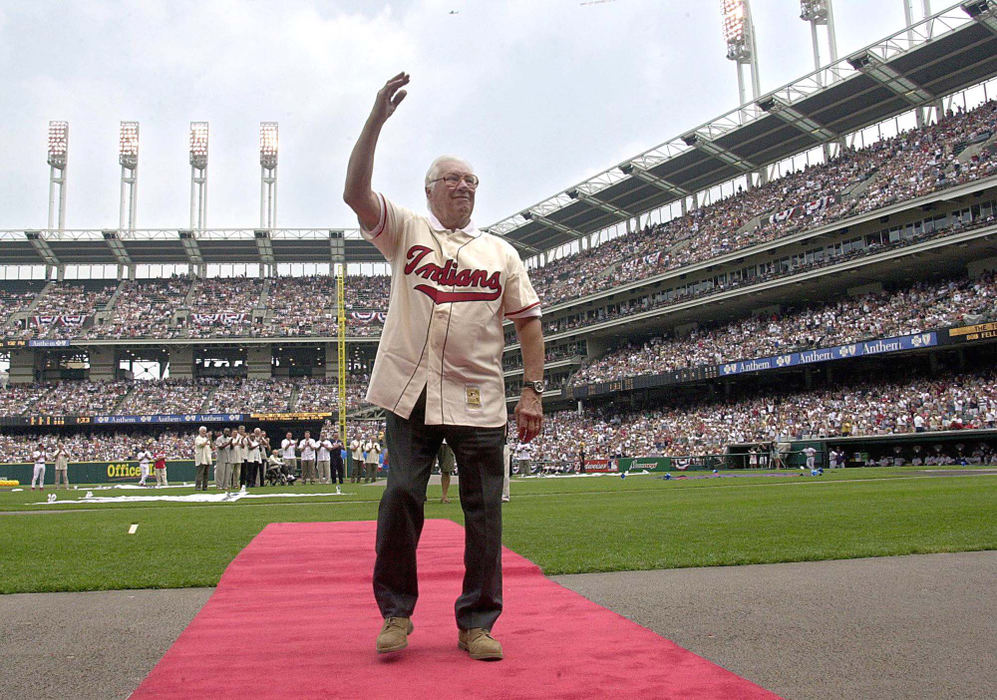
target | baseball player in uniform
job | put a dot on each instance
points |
(438, 374)
(38, 475)
(223, 468)
(356, 454)
(323, 459)
(287, 453)
(144, 457)
(308, 446)
(240, 449)
(372, 450)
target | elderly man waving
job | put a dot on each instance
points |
(438, 374)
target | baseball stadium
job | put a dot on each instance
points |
(768, 375)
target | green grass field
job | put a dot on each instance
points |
(564, 525)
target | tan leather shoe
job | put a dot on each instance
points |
(394, 634)
(480, 644)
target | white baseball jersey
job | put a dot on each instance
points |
(287, 448)
(308, 447)
(450, 291)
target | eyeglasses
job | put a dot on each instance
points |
(453, 180)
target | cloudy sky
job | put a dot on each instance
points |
(537, 94)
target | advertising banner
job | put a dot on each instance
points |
(118, 471)
(839, 352)
(171, 418)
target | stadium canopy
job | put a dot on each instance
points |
(950, 51)
(947, 52)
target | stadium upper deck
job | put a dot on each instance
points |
(954, 49)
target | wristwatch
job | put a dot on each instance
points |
(538, 386)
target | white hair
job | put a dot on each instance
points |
(434, 168)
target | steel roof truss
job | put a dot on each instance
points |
(600, 204)
(117, 247)
(652, 179)
(42, 247)
(190, 247)
(722, 154)
(778, 107)
(874, 67)
(554, 225)
(263, 246)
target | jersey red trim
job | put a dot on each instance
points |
(525, 308)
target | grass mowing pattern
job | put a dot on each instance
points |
(564, 525)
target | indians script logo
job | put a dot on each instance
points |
(474, 285)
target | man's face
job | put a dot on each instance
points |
(307, 434)
(288, 436)
(451, 205)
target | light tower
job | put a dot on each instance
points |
(909, 13)
(198, 175)
(817, 13)
(58, 154)
(268, 175)
(921, 114)
(128, 158)
(739, 33)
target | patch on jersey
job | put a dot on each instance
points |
(473, 394)
(477, 284)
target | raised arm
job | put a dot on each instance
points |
(357, 192)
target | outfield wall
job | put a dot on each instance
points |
(119, 471)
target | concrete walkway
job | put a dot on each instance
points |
(898, 627)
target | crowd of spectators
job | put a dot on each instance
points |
(323, 394)
(911, 164)
(144, 308)
(176, 396)
(223, 307)
(251, 395)
(302, 306)
(967, 401)
(916, 308)
(98, 447)
(613, 310)
(73, 397)
(188, 307)
(13, 301)
(169, 396)
(61, 310)
(690, 427)
(367, 292)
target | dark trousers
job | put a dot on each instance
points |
(250, 472)
(338, 471)
(413, 446)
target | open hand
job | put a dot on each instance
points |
(390, 96)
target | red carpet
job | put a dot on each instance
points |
(294, 617)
